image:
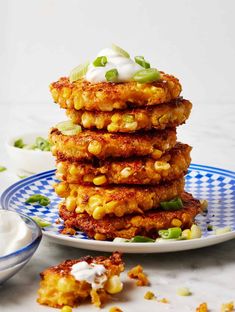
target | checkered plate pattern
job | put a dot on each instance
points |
(204, 182)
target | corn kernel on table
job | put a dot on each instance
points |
(207, 272)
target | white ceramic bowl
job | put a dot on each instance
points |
(29, 161)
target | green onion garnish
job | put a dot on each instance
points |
(112, 75)
(2, 168)
(142, 239)
(141, 61)
(42, 144)
(120, 51)
(38, 198)
(100, 61)
(41, 222)
(68, 128)
(147, 75)
(19, 143)
(173, 204)
(78, 72)
(170, 233)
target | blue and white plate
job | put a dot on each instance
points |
(215, 185)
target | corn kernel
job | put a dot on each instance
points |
(71, 203)
(95, 200)
(98, 213)
(202, 307)
(195, 231)
(176, 222)
(53, 150)
(186, 219)
(55, 94)
(161, 165)
(66, 92)
(86, 120)
(126, 172)
(131, 126)
(186, 234)
(94, 147)
(149, 295)
(73, 170)
(156, 154)
(112, 127)
(109, 207)
(114, 285)
(60, 167)
(99, 236)
(100, 180)
(77, 103)
(66, 309)
(227, 307)
(183, 291)
(61, 189)
(115, 309)
(63, 285)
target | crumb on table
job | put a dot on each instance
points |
(202, 307)
(138, 274)
(115, 309)
(149, 295)
(227, 307)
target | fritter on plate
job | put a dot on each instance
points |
(128, 226)
(172, 165)
(162, 116)
(99, 201)
(106, 96)
(89, 144)
(58, 287)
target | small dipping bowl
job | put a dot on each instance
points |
(11, 263)
(26, 161)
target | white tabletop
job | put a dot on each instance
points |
(208, 272)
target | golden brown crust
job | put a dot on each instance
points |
(129, 226)
(99, 201)
(160, 116)
(170, 166)
(105, 96)
(79, 147)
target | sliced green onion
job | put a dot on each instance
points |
(170, 233)
(68, 128)
(184, 291)
(173, 204)
(142, 239)
(41, 222)
(209, 227)
(147, 75)
(19, 143)
(42, 144)
(38, 198)
(100, 61)
(112, 75)
(120, 51)
(78, 72)
(22, 176)
(2, 168)
(141, 61)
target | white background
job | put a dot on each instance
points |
(194, 40)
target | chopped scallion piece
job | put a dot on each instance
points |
(2, 168)
(42, 144)
(147, 75)
(41, 222)
(19, 143)
(141, 61)
(142, 239)
(38, 198)
(173, 204)
(112, 75)
(68, 128)
(78, 72)
(120, 51)
(100, 61)
(170, 233)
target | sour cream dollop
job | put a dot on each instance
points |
(14, 233)
(93, 274)
(126, 67)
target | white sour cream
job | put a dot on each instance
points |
(14, 233)
(126, 67)
(93, 274)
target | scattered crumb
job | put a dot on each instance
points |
(66, 309)
(202, 307)
(115, 309)
(69, 231)
(58, 221)
(138, 274)
(164, 300)
(204, 204)
(149, 295)
(227, 307)
(183, 291)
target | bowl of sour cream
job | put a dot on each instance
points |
(19, 239)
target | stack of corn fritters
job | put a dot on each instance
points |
(125, 160)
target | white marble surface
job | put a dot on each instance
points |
(208, 272)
